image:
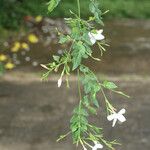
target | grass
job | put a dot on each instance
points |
(118, 8)
(12, 12)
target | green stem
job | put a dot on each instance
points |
(79, 86)
(79, 9)
(80, 104)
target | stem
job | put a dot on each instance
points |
(79, 9)
(79, 86)
(88, 144)
(80, 104)
(82, 144)
(109, 107)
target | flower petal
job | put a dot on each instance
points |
(94, 148)
(122, 111)
(121, 118)
(111, 117)
(99, 146)
(59, 82)
(100, 31)
(114, 122)
(98, 35)
(92, 39)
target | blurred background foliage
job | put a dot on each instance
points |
(13, 11)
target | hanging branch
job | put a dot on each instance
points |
(82, 37)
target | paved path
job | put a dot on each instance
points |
(33, 114)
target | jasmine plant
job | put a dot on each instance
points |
(82, 37)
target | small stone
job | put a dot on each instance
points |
(23, 53)
(27, 59)
(60, 52)
(34, 64)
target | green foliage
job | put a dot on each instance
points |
(13, 11)
(63, 39)
(109, 85)
(78, 53)
(57, 63)
(94, 8)
(79, 123)
(91, 86)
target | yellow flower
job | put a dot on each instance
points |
(25, 46)
(16, 47)
(9, 65)
(3, 57)
(38, 18)
(33, 38)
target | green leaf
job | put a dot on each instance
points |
(92, 110)
(95, 101)
(78, 53)
(56, 58)
(83, 112)
(86, 101)
(63, 39)
(109, 85)
(94, 8)
(74, 119)
(88, 50)
(74, 128)
(75, 34)
(84, 69)
(83, 120)
(84, 128)
(52, 4)
(86, 38)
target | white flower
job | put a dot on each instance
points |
(59, 82)
(117, 116)
(96, 36)
(97, 146)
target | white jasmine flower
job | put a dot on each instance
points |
(117, 116)
(96, 36)
(97, 146)
(59, 82)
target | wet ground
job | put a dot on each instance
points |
(33, 113)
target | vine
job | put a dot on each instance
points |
(82, 37)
